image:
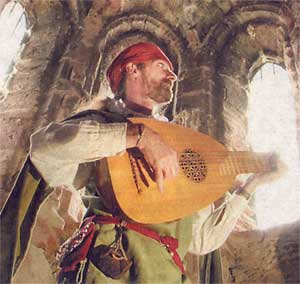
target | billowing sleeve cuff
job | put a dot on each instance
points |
(211, 232)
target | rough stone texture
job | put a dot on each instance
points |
(45, 240)
(294, 30)
(19, 111)
(58, 218)
(216, 46)
(35, 268)
(270, 256)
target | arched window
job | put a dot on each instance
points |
(13, 28)
(272, 128)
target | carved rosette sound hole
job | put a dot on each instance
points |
(193, 165)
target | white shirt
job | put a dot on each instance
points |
(60, 152)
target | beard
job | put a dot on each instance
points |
(160, 92)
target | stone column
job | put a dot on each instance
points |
(291, 54)
(28, 88)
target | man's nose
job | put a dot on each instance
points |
(171, 76)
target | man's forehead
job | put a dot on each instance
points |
(158, 61)
(161, 61)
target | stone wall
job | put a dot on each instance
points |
(216, 47)
(21, 110)
(270, 256)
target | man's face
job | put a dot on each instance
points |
(158, 80)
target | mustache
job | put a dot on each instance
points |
(167, 82)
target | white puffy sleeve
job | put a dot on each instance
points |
(212, 227)
(58, 149)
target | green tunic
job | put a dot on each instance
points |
(152, 263)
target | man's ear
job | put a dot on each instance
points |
(131, 70)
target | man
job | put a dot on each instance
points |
(68, 153)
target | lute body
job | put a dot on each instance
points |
(207, 171)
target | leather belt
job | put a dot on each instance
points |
(170, 243)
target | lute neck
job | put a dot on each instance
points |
(247, 162)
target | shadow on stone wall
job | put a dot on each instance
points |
(287, 252)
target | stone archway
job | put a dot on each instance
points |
(73, 41)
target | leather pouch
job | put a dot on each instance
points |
(110, 260)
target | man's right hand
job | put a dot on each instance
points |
(259, 179)
(159, 155)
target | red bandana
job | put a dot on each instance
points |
(136, 54)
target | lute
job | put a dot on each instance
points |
(207, 171)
